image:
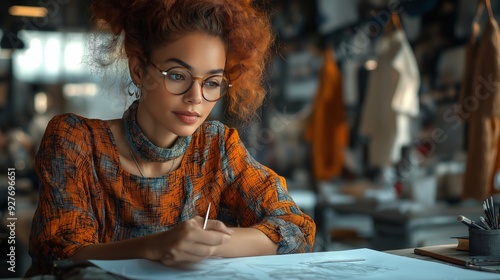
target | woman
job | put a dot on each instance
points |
(136, 187)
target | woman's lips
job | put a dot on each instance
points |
(187, 117)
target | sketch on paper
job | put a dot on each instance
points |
(321, 265)
(303, 271)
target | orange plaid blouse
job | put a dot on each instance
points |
(86, 197)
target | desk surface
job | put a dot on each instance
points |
(449, 255)
(349, 264)
(410, 253)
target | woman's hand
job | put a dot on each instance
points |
(186, 244)
(189, 242)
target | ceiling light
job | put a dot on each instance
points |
(28, 11)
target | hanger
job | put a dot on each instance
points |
(393, 24)
(475, 23)
(396, 21)
(480, 7)
(488, 6)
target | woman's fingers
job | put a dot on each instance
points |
(192, 251)
(216, 225)
(190, 243)
(208, 236)
(177, 258)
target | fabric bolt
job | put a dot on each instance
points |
(480, 109)
(391, 100)
(86, 197)
(328, 131)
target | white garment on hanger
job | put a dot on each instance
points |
(391, 100)
(405, 98)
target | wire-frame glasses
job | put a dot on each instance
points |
(178, 80)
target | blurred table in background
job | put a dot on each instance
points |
(400, 223)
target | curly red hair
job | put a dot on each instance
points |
(245, 30)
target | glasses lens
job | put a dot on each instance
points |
(214, 87)
(178, 80)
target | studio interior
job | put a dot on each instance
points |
(372, 113)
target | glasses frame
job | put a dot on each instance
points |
(193, 78)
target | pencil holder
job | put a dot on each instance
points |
(484, 242)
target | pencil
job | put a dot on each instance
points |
(206, 216)
(468, 222)
(338, 261)
(485, 223)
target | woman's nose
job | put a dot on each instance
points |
(195, 93)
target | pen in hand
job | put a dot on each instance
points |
(206, 216)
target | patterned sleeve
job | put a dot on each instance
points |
(261, 200)
(63, 222)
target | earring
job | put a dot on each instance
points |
(136, 91)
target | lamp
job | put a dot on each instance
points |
(27, 11)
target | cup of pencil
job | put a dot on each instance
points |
(484, 235)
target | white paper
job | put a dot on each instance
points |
(376, 265)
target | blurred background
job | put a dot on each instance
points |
(360, 118)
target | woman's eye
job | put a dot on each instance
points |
(212, 83)
(176, 76)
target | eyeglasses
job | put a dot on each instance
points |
(178, 80)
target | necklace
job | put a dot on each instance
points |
(137, 164)
(142, 146)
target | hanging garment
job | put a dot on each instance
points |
(391, 100)
(480, 108)
(327, 130)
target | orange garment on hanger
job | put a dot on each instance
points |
(327, 131)
(480, 107)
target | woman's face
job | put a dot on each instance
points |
(203, 55)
